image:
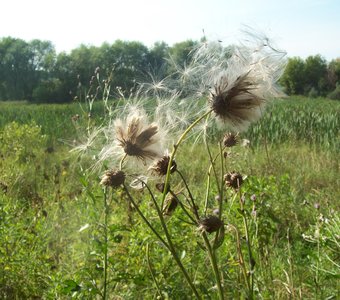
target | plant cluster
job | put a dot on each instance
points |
(235, 85)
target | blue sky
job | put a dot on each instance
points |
(300, 27)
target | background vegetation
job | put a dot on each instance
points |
(51, 213)
(33, 70)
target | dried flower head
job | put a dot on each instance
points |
(113, 178)
(160, 187)
(233, 179)
(210, 224)
(230, 139)
(170, 205)
(161, 166)
(237, 101)
(137, 138)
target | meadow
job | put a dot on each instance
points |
(64, 236)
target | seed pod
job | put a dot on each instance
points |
(233, 179)
(113, 178)
(161, 166)
(230, 139)
(161, 186)
(170, 205)
(210, 224)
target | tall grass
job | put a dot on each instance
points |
(312, 121)
(54, 228)
(296, 119)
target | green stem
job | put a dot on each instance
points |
(169, 243)
(193, 205)
(106, 243)
(145, 219)
(241, 259)
(213, 262)
(171, 246)
(250, 254)
(175, 147)
(152, 272)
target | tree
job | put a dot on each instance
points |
(333, 72)
(293, 78)
(180, 52)
(315, 72)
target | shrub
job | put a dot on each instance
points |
(335, 95)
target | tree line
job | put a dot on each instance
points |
(35, 72)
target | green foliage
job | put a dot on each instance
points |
(314, 122)
(52, 218)
(311, 77)
(293, 79)
(335, 95)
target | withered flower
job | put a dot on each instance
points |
(170, 205)
(236, 101)
(233, 179)
(161, 166)
(230, 139)
(210, 224)
(137, 138)
(161, 186)
(113, 178)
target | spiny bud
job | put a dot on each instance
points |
(210, 224)
(161, 166)
(233, 179)
(230, 139)
(113, 178)
(170, 205)
(160, 187)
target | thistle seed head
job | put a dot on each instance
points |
(170, 205)
(113, 178)
(236, 102)
(233, 179)
(210, 224)
(161, 166)
(137, 138)
(230, 139)
(161, 186)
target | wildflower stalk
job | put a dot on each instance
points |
(171, 246)
(144, 218)
(213, 261)
(193, 205)
(175, 148)
(167, 179)
(106, 213)
(152, 272)
(240, 254)
(250, 254)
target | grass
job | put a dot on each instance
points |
(51, 212)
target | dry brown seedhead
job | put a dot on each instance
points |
(113, 178)
(137, 139)
(210, 224)
(236, 102)
(161, 166)
(170, 205)
(233, 179)
(230, 139)
(161, 186)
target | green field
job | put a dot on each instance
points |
(65, 237)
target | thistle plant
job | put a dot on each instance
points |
(226, 86)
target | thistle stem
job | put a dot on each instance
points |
(171, 246)
(106, 243)
(250, 254)
(175, 147)
(145, 219)
(152, 272)
(213, 262)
